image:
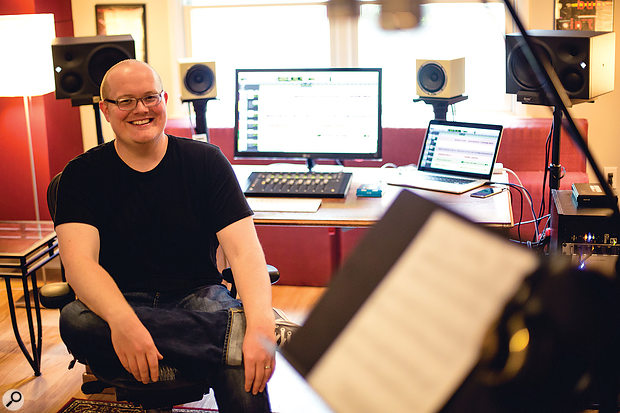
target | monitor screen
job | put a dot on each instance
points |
(460, 148)
(308, 113)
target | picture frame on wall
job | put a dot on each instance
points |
(113, 19)
(584, 15)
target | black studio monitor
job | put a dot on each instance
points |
(583, 61)
(81, 62)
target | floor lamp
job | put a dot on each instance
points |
(27, 69)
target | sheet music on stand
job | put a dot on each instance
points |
(401, 325)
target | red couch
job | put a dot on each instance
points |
(302, 254)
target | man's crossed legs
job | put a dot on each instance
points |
(190, 331)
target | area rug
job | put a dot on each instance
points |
(96, 406)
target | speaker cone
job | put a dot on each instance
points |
(431, 78)
(572, 80)
(521, 70)
(199, 79)
(571, 53)
(71, 82)
(102, 60)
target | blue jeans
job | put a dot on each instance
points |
(189, 331)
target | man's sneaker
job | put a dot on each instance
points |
(167, 373)
(233, 343)
(284, 327)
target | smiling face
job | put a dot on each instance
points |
(142, 125)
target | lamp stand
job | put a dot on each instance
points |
(27, 102)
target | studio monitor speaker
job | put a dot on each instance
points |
(81, 62)
(197, 79)
(583, 61)
(440, 78)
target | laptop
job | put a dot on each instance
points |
(456, 157)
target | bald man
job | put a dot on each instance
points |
(139, 220)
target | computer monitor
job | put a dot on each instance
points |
(329, 113)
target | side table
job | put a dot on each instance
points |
(25, 247)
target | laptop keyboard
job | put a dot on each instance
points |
(449, 179)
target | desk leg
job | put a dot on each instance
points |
(35, 359)
(335, 244)
(35, 343)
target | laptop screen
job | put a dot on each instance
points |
(460, 148)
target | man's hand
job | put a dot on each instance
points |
(258, 358)
(136, 350)
(244, 253)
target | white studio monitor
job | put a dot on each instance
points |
(197, 79)
(440, 78)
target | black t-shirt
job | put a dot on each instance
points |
(157, 228)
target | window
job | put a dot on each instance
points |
(252, 37)
(471, 30)
(296, 34)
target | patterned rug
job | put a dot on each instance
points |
(96, 406)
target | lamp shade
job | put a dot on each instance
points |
(26, 54)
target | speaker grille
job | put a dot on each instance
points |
(431, 78)
(199, 79)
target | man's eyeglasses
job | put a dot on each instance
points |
(131, 103)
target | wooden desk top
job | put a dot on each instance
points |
(364, 212)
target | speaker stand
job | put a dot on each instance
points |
(94, 101)
(554, 167)
(98, 123)
(440, 105)
(200, 108)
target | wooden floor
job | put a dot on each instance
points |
(50, 391)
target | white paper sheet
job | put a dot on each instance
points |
(284, 204)
(418, 335)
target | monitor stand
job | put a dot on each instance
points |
(311, 163)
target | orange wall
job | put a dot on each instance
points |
(56, 130)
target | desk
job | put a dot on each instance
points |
(26, 246)
(352, 211)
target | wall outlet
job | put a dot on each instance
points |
(611, 175)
